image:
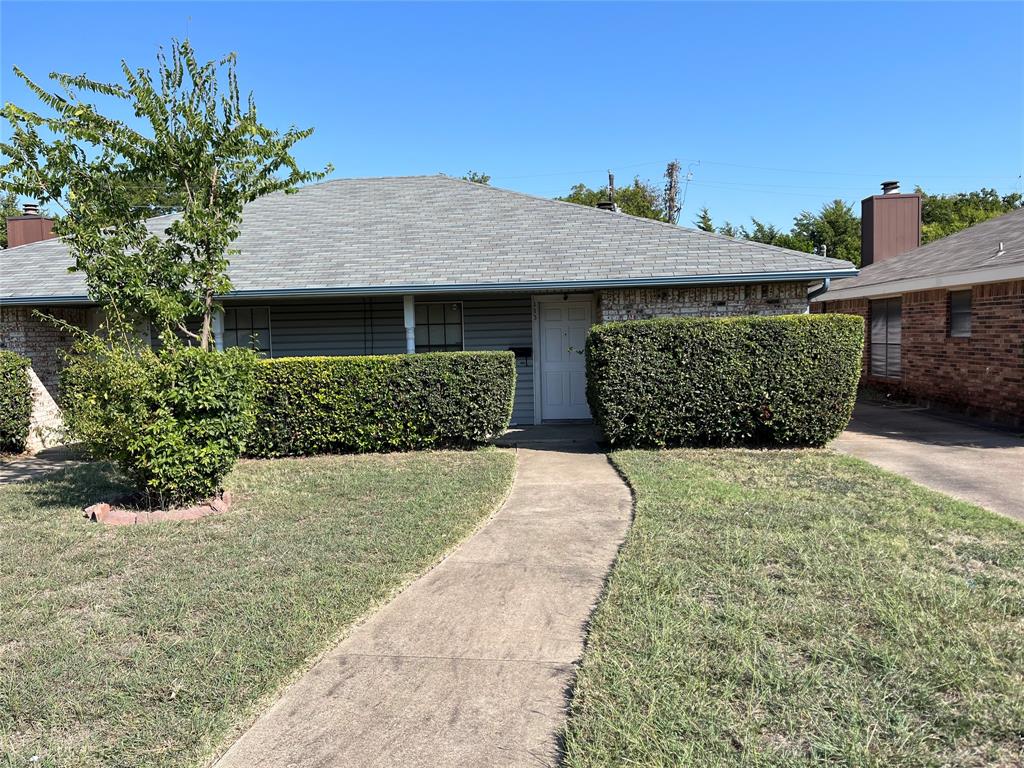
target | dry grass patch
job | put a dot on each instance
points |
(799, 608)
(147, 645)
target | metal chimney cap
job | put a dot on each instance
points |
(31, 209)
(890, 187)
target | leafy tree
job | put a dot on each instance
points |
(942, 215)
(729, 230)
(833, 232)
(477, 177)
(772, 235)
(202, 149)
(640, 198)
(9, 208)
(153, 197)
(703, 221)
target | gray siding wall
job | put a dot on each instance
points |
(499, 323)
(346, 327)
(376, 327)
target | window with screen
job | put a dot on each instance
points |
(960, 313)
(439, 326)
(886, 331)
(248, 327)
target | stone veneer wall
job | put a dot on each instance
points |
(702, 301)
(38, 340)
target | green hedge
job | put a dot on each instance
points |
(782, 381)
(174, 421)
(15, 402)
(310, 405)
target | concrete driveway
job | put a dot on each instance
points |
(984, 466)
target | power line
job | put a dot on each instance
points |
(817, 172)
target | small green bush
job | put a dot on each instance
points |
(310, 405)
(15, 402)
(173, 422)
(779, 381)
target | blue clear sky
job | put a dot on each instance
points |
(785, 105)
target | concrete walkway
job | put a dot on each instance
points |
(471, 664)
(20, 468)
(984, 466)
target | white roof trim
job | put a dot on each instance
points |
(927, 283)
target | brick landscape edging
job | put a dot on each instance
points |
(111, 515)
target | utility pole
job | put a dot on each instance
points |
(686, 186)
(671, 201)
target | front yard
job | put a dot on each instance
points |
(147, 646)
(801, 608)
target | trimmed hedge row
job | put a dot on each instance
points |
(781, 381)
(310, 405)
(15, 402)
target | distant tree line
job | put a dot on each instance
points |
(835, 230)
(638, 198)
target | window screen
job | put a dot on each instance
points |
(885, 337)
(248, 327)
(960, 313)
(439, 327)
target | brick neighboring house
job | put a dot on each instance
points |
(945, 320)
(429, 263)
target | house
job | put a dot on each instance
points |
(946, 319)
(393, 265)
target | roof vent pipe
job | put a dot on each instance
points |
(890, 187)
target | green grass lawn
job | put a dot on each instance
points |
(148, 646)
(801, 608)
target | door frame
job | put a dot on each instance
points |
(535, 301)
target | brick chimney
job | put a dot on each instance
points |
(890, 224)
(30, 227)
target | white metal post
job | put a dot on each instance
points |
(218, 329)
(409, 307)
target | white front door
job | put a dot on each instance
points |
(563, 370)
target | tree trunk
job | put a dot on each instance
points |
(204, 340)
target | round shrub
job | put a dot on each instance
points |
(771, 381)
(310, 405)
(15, 402)
(173, 422)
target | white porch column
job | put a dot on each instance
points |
(409, 307)
(218, 329)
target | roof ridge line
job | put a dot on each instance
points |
(644, 219)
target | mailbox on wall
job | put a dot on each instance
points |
(523, 354)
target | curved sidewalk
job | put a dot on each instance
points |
(471, 664)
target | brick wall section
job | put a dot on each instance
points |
(37, 339)
(702, 301)
(982, 374)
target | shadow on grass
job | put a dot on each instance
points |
(77, 486)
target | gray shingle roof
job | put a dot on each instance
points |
(965, 254)
(434, 233)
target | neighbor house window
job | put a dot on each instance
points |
(885, 337)
(248, 327)
(960, 313)
(439, 326)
